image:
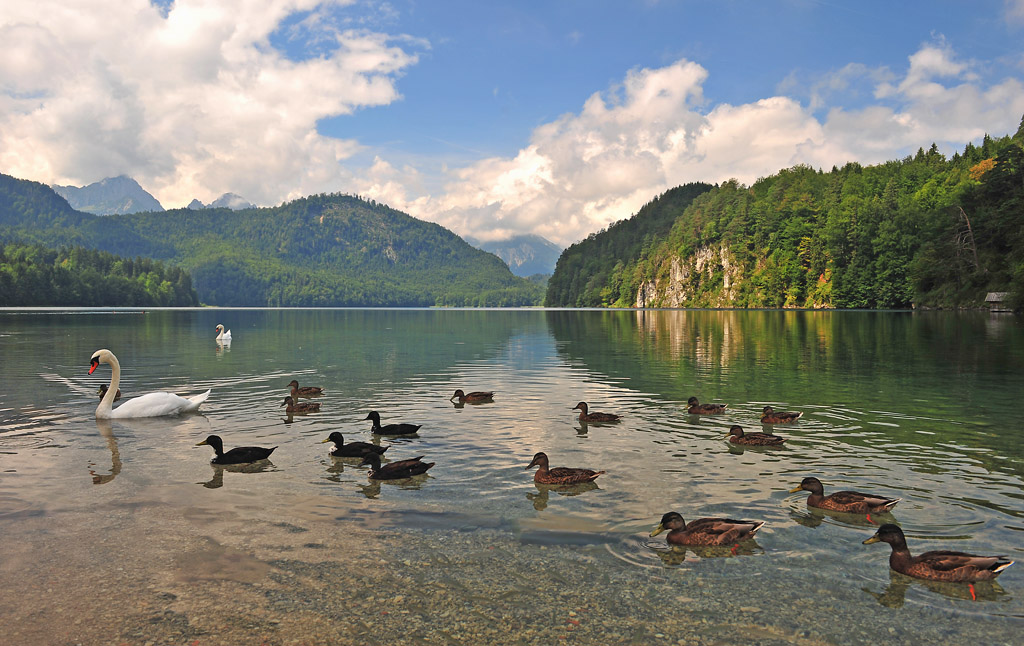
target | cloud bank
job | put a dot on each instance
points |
(195, 99)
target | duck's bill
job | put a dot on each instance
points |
(795, 489)
(203, 443)
(873, 539)
(657, 530)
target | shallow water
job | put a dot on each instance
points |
(305, 549)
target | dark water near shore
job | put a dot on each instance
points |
(924, 406)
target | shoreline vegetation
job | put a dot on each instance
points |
(923, 232)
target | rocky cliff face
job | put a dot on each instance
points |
(709, 278)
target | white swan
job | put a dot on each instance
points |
(223, 335)
(148, 405)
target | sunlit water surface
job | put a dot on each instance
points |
(306, 549)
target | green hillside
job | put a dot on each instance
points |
(921, 231)
(323, 250)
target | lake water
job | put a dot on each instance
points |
(122, 532)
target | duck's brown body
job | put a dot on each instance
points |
(697, 408)
(850, 502)
(770, 416)
(293, 406)
(706, 531)
(559, 475)
(304, 391)
(941, 565)
(737, 436)
(103, 391)
(475, 397)
(586, 416)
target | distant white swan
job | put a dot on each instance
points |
(223, 336)
(148, 405)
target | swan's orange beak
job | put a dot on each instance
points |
(93, 365)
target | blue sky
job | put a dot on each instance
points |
(492, 119)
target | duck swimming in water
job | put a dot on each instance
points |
(770, 416)
(475, 397)
(594, 417)
(697, 408)
(238, 455)
(391, 429)
(395, 470)
(737, 436)
(939, 565)
(851, 502)
(352, 449)
(300, 407)
(103, 391)
(559, 475)
(304, 391)
(705, 531)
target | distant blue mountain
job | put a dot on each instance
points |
(525, 255)
(226, 201)
(111, 196)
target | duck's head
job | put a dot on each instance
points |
(670, 521)
(692, 401)
(767, 410)
(582, 407)
(215, 442)
(374, 415)
(735, 431)
(288, 400)
(372, 460)
(540, 459)
(335, 437)
(458, 393)
(888, 533)
(293, 384)
(809, 484)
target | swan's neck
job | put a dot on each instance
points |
(107, 403)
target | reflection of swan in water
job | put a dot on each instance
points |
(223, 335)
(148, 405)
(107, 430)
(540, 499)
(217, 481)
(894, 595)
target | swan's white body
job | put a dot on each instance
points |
(223, 335)
(148, 405)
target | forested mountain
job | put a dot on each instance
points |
(921, 231)
(323, 250)
(583, 271)
(34, 275)
(109, 196)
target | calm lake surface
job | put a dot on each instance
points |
(122, 532)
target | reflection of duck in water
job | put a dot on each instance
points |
(850, 502)
(737, 436)
(217, 481)
(540, 498)
(475, 397)
(697, 408)
(939, 565)
(237, 455)
(586, 416)
(894, 595)
(770, 416)
(813, 517)
(559, 475)
(705, 531)
(677, 554)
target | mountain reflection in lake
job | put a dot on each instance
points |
(306, 549)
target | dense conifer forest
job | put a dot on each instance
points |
(924, 231)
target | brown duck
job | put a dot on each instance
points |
(940, 565)
(706, 531)
(304, 391)
(850, 502)
(770, 416)
(475, 397)
(559, 475)
(300, 407)
(594, 417)
(697, 408)
(737, 436)
(103, 391)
